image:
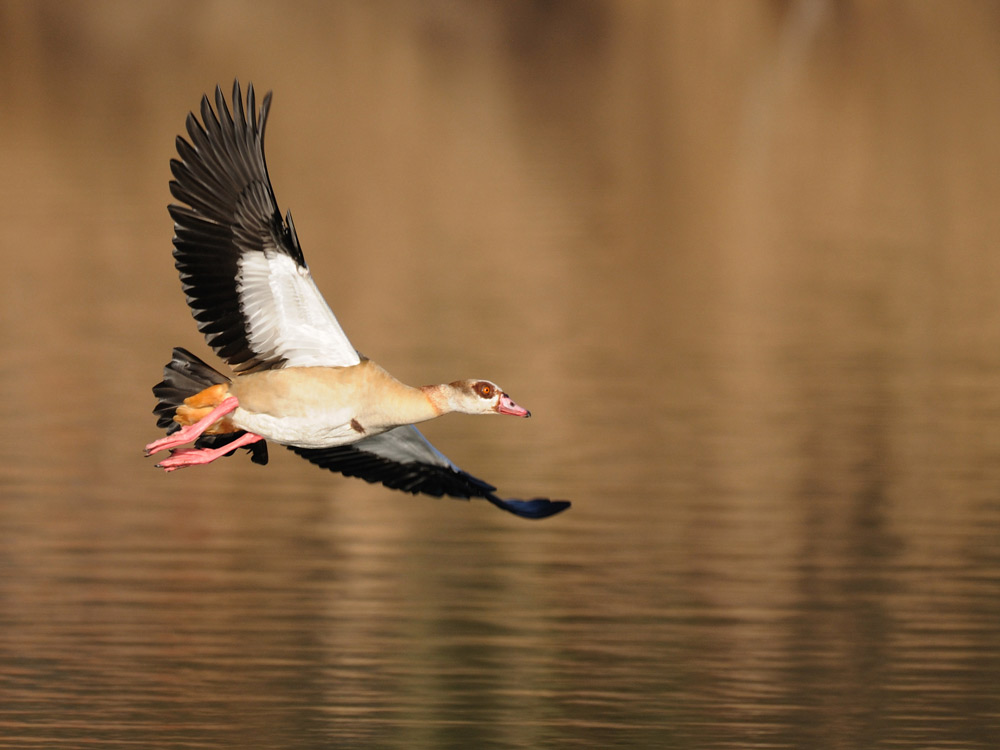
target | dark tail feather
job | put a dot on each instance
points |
(185, 375)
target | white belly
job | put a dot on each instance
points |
(324, 430)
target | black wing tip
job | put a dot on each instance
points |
(222, 159)
(538, 508)
(421, 478)
(254, 117)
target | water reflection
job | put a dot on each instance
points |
(739, 263)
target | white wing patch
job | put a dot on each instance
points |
(286, 316)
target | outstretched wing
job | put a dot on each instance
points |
(403, 459)
(241, 266)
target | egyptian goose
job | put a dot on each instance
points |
(298, 380)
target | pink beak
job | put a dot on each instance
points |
(506, 405)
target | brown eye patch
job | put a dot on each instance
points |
(485, 390)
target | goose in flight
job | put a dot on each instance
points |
(297, 379)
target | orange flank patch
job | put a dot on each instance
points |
(200, 404)
(210, 397)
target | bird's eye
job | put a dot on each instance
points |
(485, 390)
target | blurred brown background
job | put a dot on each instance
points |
(738, 258)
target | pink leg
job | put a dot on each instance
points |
(178, 459)
(193, 431)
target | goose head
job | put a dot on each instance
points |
(481, 397)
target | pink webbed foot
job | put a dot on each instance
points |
(178, 459)
(193, 431)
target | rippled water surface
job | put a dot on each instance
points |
(740, 261)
